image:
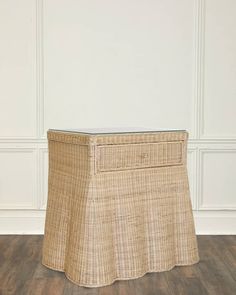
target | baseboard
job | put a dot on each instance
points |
(22, 222)
(215, 222)
(32, 222)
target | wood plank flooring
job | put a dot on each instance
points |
(21, 272)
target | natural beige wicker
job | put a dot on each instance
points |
(118, 205)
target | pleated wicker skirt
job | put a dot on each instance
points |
(118, 206)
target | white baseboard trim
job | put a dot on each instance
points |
(215, 222)
(22, 222)
(32, 222)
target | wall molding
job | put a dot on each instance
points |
(217, 137)
(200, 78)
(28, 137)
(35, 196)
(39, 91)
(202, 152)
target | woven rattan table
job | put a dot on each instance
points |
(118, 205)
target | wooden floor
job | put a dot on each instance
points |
(21, 272)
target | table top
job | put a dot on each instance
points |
(116, 130)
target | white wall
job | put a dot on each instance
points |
(78, 63)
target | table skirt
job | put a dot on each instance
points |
(102, 227)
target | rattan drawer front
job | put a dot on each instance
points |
(134, 156)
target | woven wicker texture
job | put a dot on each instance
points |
(118, 206)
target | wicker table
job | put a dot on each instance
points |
(118, 205)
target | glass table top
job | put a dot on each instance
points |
(115, 130)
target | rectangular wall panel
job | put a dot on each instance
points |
(17, 68)
(219, 103)
(118, 63)
(17, 179)
(218, 170)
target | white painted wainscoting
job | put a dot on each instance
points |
(158, 64)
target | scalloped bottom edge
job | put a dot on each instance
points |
(118, 278)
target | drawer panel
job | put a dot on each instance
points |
(134, 156)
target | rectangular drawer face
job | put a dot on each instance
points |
(134, 156)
